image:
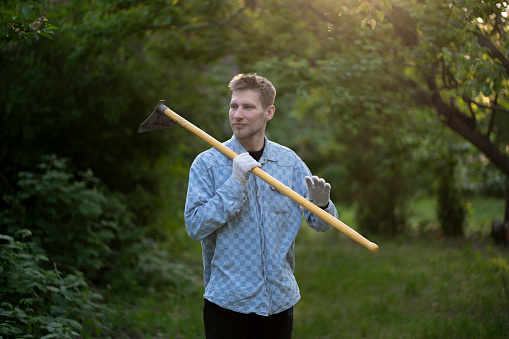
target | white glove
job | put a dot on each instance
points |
(318, 191)
(242, 165)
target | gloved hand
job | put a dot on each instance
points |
(242, 165)
(318, 191)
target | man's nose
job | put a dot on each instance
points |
(239, 114)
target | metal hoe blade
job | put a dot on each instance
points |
(157, 120)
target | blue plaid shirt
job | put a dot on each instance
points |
(248, 232)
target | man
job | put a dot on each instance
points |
(246, 227)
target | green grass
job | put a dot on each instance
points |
(159, 316)
(415, 287)
(412, 288)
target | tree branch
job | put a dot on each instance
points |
(492, 119)
(501, 25)
(494, 107)
(45, 9)
(493, 50)
(454, 119)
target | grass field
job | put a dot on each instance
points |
(414, 287)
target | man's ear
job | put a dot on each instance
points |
(270, 112)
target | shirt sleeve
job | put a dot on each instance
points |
(318, 224)
(312, 220)
(208, 209)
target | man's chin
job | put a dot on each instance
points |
(239, 136)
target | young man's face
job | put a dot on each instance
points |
(247, 116)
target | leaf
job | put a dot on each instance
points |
(46, 35)
(388, 3)
(363, 23)
(27, 11)
(363, 7)
(380, 15)
(52, 27)
(74, 324)
(372, 23)
(52, 288)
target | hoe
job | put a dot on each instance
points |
(162, 117)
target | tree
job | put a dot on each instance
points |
(338, 82)
(459, 52)
(339, 104)
(83, 95)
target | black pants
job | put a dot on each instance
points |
(221, 323)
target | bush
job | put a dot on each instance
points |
(73, 219)
(80, 234)
(42, 303)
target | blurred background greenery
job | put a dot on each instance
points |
(408, 120)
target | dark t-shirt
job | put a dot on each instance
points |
(257, 154)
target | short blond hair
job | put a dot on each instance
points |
(257, 83)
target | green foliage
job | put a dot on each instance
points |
(37, 302)
(88, 234)
(463, 47)
(84, 228)
(376, 9)
(360, 107)
(77, 224)
(25, 23)
(115, 60)
(348, 122)
(355, 104)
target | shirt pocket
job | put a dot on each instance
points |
(279, 203)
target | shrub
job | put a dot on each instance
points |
(80, 234)
(72, 218)
(42, 303)
(83, 227)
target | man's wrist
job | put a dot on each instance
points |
(241, 181)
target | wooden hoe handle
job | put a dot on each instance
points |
(319, 212)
